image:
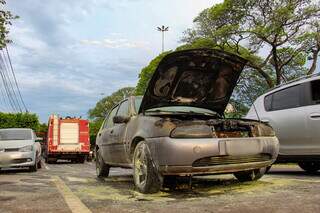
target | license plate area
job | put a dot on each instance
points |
(240, 147)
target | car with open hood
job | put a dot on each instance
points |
(178, 127)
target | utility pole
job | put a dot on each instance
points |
(163, 29)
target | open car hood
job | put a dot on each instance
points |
(203, 78)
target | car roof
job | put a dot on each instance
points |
(294, 82)
(17, 129)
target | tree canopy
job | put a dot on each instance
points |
(147, 72)
(5, 21)
(19, 120)
(276, 37)
(105, 104)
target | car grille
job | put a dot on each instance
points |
(224, 160)
(20, 160)
(11, 150)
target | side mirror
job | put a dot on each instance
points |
(121, 119)
(39, 139)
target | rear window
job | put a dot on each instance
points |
(284, 99)
(268, 102)
(8, 135)
(315, 89)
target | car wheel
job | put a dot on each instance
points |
(102, 169)
(268, 169)
(251, 175)
(34, 167)
(39, 164)
(145, 175)
(310, 167)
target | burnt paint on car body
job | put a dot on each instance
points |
(186, 142)
(156, 131)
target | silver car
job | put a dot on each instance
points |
(293, 110)
(19, 148)
(178, 128)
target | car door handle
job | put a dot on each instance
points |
(315, 115)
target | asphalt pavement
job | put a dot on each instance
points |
(66, 187)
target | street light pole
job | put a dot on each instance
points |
(162, 29)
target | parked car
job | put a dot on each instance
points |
(177, 128)
(293, 110)
(19, 148)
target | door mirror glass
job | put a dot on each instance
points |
(120, 119)
(38, 139)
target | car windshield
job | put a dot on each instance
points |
(7, 135)
(174, 109)
(181, 110)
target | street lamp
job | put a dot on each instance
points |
(163, 29)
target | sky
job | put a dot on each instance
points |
(69, 54)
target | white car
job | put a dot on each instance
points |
(293, 110)
(19, 148)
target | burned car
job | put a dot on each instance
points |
(178, 127)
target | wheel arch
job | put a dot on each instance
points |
(134, 143)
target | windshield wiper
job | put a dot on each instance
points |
(183, 112)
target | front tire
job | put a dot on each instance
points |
(34, 167)
(39, 165)
(310, 167)
(251, 175)
(145, 175)
(102, 169)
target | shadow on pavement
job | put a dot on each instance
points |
(13, 170)
(296, 173)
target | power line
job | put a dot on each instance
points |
(10, 84)
(6, 89)
(15, 80)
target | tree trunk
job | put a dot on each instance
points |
(314, 62)
(276, 64)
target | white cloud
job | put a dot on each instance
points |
(116, 43)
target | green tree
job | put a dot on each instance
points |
(5, 21)
(103, 106)
(274, 36)
(147, 72)
(19, 120)
(43, 127)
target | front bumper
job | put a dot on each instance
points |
(17, 159)
(212, 155)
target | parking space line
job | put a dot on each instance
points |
(74, 203)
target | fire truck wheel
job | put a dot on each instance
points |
(82, 159)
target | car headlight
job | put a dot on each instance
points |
(193, 131)
(265, 131)
(26, 148)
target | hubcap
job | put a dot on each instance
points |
(140, 166)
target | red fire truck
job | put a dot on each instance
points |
(67, 138)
